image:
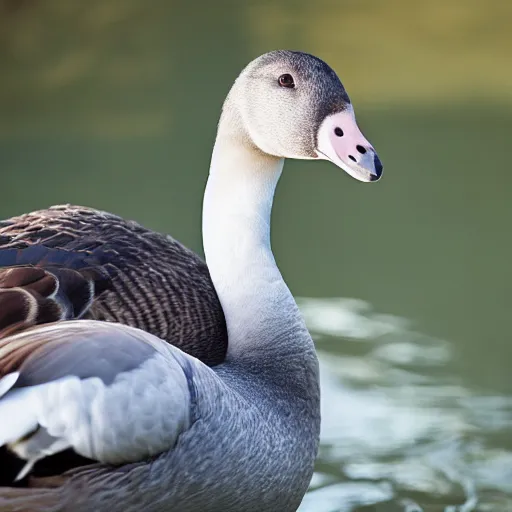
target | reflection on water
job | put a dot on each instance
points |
(401, 430)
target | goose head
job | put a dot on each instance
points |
(293, 105)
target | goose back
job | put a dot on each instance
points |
(74, 262)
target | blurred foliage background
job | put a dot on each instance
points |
(114, 104)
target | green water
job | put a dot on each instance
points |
(114, 104)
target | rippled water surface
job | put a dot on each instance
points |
(114, 104)
(401, 431)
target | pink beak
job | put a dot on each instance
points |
(340, 140)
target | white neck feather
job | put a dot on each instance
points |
(259, 308)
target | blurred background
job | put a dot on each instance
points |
(405, 284)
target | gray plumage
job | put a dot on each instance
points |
(215, 455)
(111, 392)
(79, 350)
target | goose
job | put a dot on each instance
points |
(166, 430)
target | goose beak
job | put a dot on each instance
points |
(340, 140)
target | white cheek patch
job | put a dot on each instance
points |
(340, 140)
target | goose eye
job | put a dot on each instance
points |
(286, 80)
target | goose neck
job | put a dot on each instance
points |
(260, 311)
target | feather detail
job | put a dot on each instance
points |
(141, 278)
(68, 390)
(33, 295)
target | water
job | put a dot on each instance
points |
(400, 428)
(114, 103)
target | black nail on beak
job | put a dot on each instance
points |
(378, 168)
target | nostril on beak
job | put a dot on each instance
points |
(361, 149)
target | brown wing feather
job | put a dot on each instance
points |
(33, 295)
(156, 284)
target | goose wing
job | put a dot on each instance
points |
(112, 393)
(122, 272)
(38, 295)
